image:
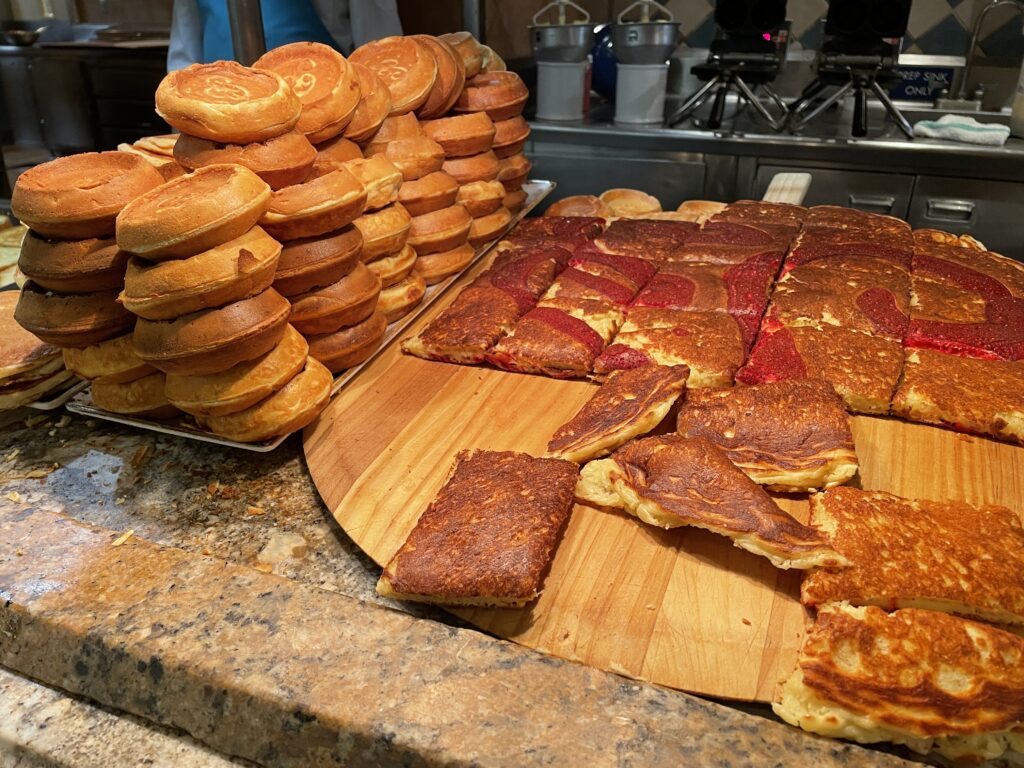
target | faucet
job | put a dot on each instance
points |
(976, 37)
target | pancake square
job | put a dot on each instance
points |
(758, 212)
(602, 277)
(863, 368)
(984, 397)
(568, 232)
(559, 338)
(629, 403)
(789, 436)
(874, 298)
(489, 535)
(987, 273)
(669, 481)
(740, 289)
(905, 553)
(710, 343)
(463, 332)
(652, 239)
(934, 682)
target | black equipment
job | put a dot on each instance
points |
(859, 54)
(748, 51)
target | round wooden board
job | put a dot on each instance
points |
(683, 608)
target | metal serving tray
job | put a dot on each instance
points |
(61, 398)
(81, 399)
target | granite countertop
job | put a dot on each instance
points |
(251, 623)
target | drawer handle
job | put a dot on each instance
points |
(873, 203)
(950, 210)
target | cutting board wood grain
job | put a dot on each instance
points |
(682, 608)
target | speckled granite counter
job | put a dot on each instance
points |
(246, 651)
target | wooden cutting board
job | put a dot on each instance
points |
(682, 608)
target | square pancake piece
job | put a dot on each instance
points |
(601, 276)
(651, 239)
(469, 326)
(789, 436)
(934, 682)
(568, 232)
(862, 368)
(987, 273)
(759, 212)
(628, 404)
(711, 344)
(984, 397)
(489, 535)
(865, 295)
(906, 553)
(560, 338)
(669, 481)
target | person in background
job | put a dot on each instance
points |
(200, 31)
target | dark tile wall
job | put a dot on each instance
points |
(936, 26)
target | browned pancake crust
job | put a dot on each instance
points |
(759, 212)
(890, 667)
(935, 299)
(926, 554)
(492, 530)
(1009, 272)
(861, 367)
(720, 253)
(818, 292)
(786, 425)
(695, 481)
(710, 293)
(623, 399)
(536, 347)
(645, 238)
(981, 396)
(710, 343)
(468, 327)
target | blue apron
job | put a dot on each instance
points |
(284, 21)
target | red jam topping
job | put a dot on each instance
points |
(964, 277)
(570, 326)
(620, 357)
(748, 323)
(636, 270)
(1007, 310)
(729, 233)
(524, 300)
(748, 283)
(984, 340)
(774, 358)
(613, 291)
(667, 291)
(879, 305)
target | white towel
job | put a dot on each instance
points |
(964, 129)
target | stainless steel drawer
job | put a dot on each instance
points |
(887, 193)
(672, 177)
(992, 211)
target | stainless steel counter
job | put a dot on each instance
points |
(958, 187)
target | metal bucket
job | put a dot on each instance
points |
(649, 42)
(567, 43)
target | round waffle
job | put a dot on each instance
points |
(326, 86)
(224, 101)
(281, 161)
(451, 77)
(79, 196)
(242, 385)
(406, 67)
(194, 213)
(374, 104)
